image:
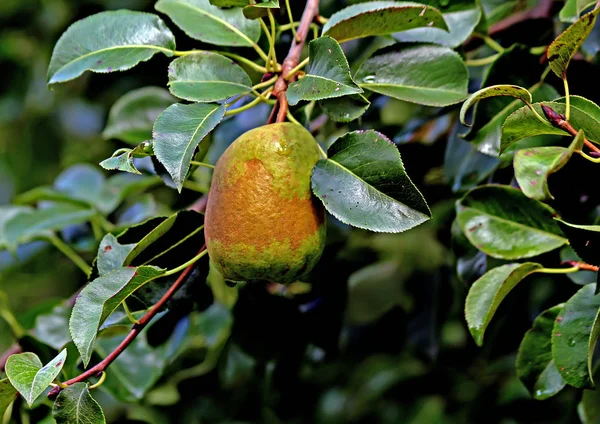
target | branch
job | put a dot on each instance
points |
(135, 331)
(311, 11)
(558, 120)
(583, 266)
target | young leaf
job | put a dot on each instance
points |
(259, 10)
(7, 395)
(75, 405)
(564, 47)
(428, 75)
(132, 116)
(100, 298)
(27, 374)
(327, 74)
(207, 77)
(363, 183)
(533, 166)
(111, 254)
(486, 294)
(381, 18)
(504, 223)
(121, 160)
(177, 133)
(522, 123)
(345, 109)
(584, 239)
(107, 42)
(535, 366)
(205, 22)
(494, 91)
(461, 17)
(576, 330)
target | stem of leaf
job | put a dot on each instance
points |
(273, 38)
(99, 383)
(265, 29)
(12, 322)
(591, 159)
(191, 185)
(185, 265)
(483, 61)
(296, 69)
(129, 314)
(322, 20)
(537, 115)
(291, 18)
(98, 234)
(247, 62)
(266, 83)
(70, 253)
(292, 119)
(490, 42)
(245, 107)
(206, 165)
(559, 270)
(567, 99)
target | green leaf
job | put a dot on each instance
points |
(503, 223)
(461, 18)
(229, 3)
(111, 254)
(7, 395)
(132, 117)
(100, 298)
(363, 183)
(428, 75)
(260, 10)
(572, 9)
(486, 294)
(107, 42)
(27, 374)
(75, 405)
(533, 166)
(121, 160)
(205, 22)
(535, 365)
(327, 74)
(574, 337)
(584, 239)
(522, 123)
(177, 133)
(494, 91)
(37, 224)
(7, 212)
(381, 18)
(345, 109)
(564, 47)
(207, 77)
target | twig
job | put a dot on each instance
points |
(559, 120)
(311, 11)
(135, 331)
(584, 266)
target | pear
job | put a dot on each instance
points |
(262, 221)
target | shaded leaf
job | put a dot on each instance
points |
(533, 166)
(205, 22)
(27, 374)
(107, 42)
(380, 18)
(207, 77)
(494, 91)
(100, 298)
(259, 9)
(345, 109)
(7, 395)
(428, 75)
(111, 254)
(574, 337)
(535, 365)
(75, 405)
(504, 223)
(572, 9)
(564, 47)
(584, 239)
(7, 212)
(486, 294)
(132, 117)
(363, 183)
(177, 133)
(327, 74)
(52, 328)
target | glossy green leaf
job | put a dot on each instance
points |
(345, 109)
(7, 395)
(381, 18)
(572, 9)
(205, 22)
(100, 298)
(132, 117)
(75, 405)
(177, 133)
(429, 75)
(111, 254)
(207, 77)
(260, 9)
(461, 17)
(494, 91)
(534, 165)
(27, 374)
(584, 239)
(574, 337)
(363, 183)
(503, 223)
(535, 365)
(486, 294)
(522, 123)
(327, 74)
(564, 47)
(107, 42)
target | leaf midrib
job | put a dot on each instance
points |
(412, 87)
(200, 82)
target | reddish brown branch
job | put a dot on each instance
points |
(311, 11)
(559, 120)
(584, 266)
(135, 331)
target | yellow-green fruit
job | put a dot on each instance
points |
(262, 220)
